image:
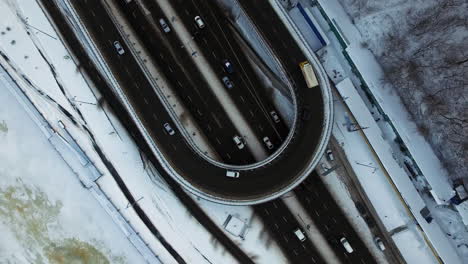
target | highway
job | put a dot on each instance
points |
(331, 221)
(205, 176)
(194, 172)
(87, 65)
(312, 194)
(103, 30)
(187, 82)
(218, 44)
(281, 224)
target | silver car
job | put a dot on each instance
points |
(239, 142)
(267, 142)
(164, 25)
(169, 129)
(227, 82)
(119, 48)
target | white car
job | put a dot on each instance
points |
(239, 142)
(275, 116)
(164, 25)
(169, 129)
(232, 174)
(299, 234)
(119, 48)
(199, 22)
(267, 142)
(379, 243)
(346, 245)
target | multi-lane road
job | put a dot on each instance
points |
(138, 89)
(194, 172)
(331, 221)
(282, 225)
(180, 71)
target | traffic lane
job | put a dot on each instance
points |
(157, 12)
(253, 183)
(236, 51)
(282, 224)
(176, 65)
(278, 36)
(331, 221)
(365, 207)
(216, 53)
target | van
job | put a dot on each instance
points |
(300, 235)
(164, 25)
(232, 174)
(346, 245)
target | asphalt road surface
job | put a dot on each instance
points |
(331, 221)
(252, 184)
(180, 70)
(281, 225)
(218, 44)
(87, 65)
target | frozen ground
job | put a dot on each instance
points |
(421, 46)
(369, 69)
(46, 216)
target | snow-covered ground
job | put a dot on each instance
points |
(421, 46)
(338, 68)
(46, 215)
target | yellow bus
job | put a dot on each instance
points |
(309, 75)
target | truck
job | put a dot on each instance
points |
(309, 75)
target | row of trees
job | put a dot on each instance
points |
(424, 55)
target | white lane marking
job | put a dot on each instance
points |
(146, 101)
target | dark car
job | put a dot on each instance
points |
(306, 113)
(228, 66)
(227, 82)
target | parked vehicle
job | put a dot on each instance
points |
(379, 243)
(330, 155)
